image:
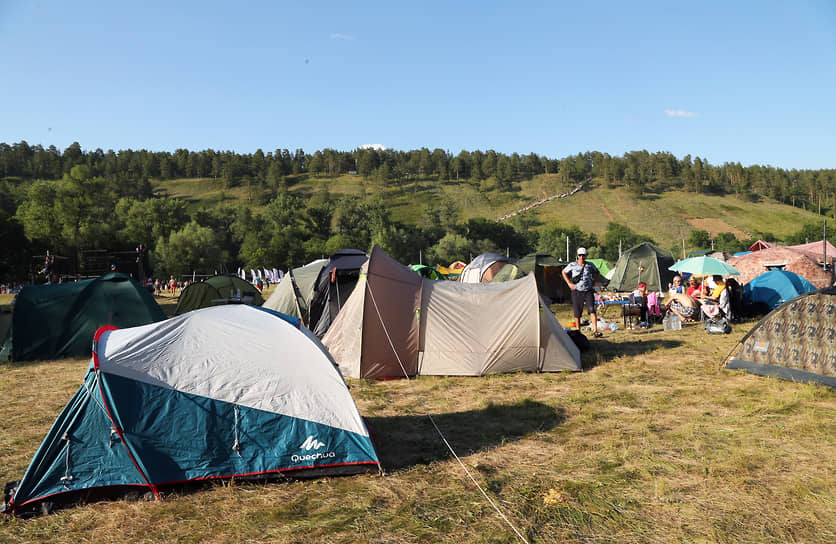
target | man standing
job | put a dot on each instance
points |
(580, 276)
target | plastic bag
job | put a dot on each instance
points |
(717, 325)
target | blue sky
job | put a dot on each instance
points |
(749, 82)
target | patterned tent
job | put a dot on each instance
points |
(780, 258)
(817, 250)
(796, 341)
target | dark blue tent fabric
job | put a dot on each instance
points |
(775, 287)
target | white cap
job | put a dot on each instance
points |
(581, 251)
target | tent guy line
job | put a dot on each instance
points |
(435, 426)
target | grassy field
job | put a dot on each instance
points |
(654, 442)
(668, 217)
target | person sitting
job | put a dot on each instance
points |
(639, 297)
(676, 286)
(711, 304)
(719, 287)
(683, 306)
(694, 290)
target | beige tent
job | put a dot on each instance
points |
(444, 328)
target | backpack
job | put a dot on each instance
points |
(579, 339)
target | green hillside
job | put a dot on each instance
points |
(667, 217)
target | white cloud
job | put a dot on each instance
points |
(346, 37)
(376, 147)
(680, 113)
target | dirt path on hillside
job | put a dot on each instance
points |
(577, 188)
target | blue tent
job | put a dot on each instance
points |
(775, 287)
(222, 392)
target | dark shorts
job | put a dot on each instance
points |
(581, 297)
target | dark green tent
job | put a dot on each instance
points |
(59, 320)
(216, 291)
(642, 264)
(547, 271)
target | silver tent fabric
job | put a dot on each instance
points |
(284, 298)
(237, 354)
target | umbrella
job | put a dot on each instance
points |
(705, 266)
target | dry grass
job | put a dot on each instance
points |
(652, 443)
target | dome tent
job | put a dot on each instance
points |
(56, 321)
(293, 294)
(484, 267)
(643, 263)
(218, 290)
(316, 292)
(226, 391)
(796, 341)
(775, 287)
(547, 272)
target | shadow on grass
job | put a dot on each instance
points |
(406, 441)
(604, 350)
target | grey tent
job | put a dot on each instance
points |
(396, 322)
(643, 263)
(293, 294)
(316, 292)
(484, 267)
(547, 272)
(796, 341)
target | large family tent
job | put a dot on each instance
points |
(216, 291)
(221, 392)
(821, 251)
(484, 267)
(642, 264)
(547, 272)
(319, 301)
(396, 322)
(781, 258)
(796, 341)
(775, 287)
(56, 321)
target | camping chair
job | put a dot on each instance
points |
(715, 310)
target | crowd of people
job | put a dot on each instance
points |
(686, 300)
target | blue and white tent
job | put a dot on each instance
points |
(222, 392)
(775, 287)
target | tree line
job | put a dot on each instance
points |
(71, 200)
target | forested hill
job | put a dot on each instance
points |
(198, 210)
